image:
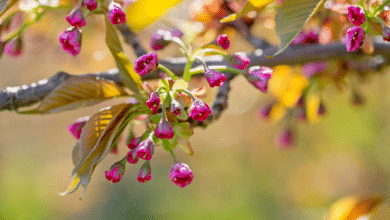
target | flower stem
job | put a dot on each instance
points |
(381, 6)
(169, 72)
(187, 68)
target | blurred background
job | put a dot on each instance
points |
(239, 173)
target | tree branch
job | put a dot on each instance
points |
(13, 98)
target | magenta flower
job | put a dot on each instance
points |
(175, 107)
(259, 77)
(311, 69)
(116, 172)
(160, 39)
(76, 18)
(356, 15)
(14, 47)
(223, 41)
(91, 4)
(146, 63)
(239, 61)
(146, 148)
(134, 143)
(303, 38)
(115, 13)
(71, 40)
(214, 78)
(145, 173)
(284, 140)
(132, 156)
(354, 38)
(153, 101)
(386, 33)
(176, 33)
(199, 110)
(164, 129)
(265, 112)
(181, 175)
(76, 127)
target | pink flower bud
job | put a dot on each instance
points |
(175, 107)
(134, 143)
(311, 69)
(146, 63)
(91, 4)
(357, 99)
(356, 15)
(199, 110)
(71, 40)
(76, 127)
(301, 114)
(14, 47)
(214, 78)
(259, 77)
(354, 38)
(321, 109)
(153, 101)
(181, 175)
(160, 39)
(386, 33)
(115, 13)
(145, 173)
(146, 149)
(76, 18)
(265, 112)
(240, 61)
(116, 172)
(284, 140)
(164, 129)
(304, 38)
(223, 41)
(176, 33)
(132, 156)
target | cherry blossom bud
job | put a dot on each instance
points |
(145, 173)
(153, 101)
(175, 107)
(91, 4)
(284, 140)
(385, 32)
(71, 40)
(356, 15)
(259, 76)
(321, 109)
(132, 156)
(199, 110)
(357, 99)
(116, 172)
(265, 112)
(115, 13)
(176, 33)
(160, 39)
(301, 113)
(223, 41)
(164, 129)
(14, 47)
(76, 127)
(311, 69)
(146, 63)
(240, 61)
(354, 38)
(181, 175)
(214, 78)
(145, 149)
(134, 143)
(76, 18)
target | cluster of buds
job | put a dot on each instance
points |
(355, 35)
(12, 47)
(70, 38)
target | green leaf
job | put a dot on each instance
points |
(290, 18)
(126, 69)
(166, 145)
(183, 130)
(76, 92)
(248, 7)
(100, 132)
(185, 146)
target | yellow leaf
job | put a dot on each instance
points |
(287, 85)
(277, 112)
(260, 3)
(353, 207)
(179, 84)
(143, 12)
(312, 107)
(72, 186)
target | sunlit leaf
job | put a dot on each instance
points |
(179, 84)
(76, 92)
(143, 12)
(312, 107)
(290, 18)
(126, 69)
(260, 3)
(183, 130)
(98, 135)
(185, 146)
(353, 207)
(287, 85)
(277, 112)
(73, 186)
